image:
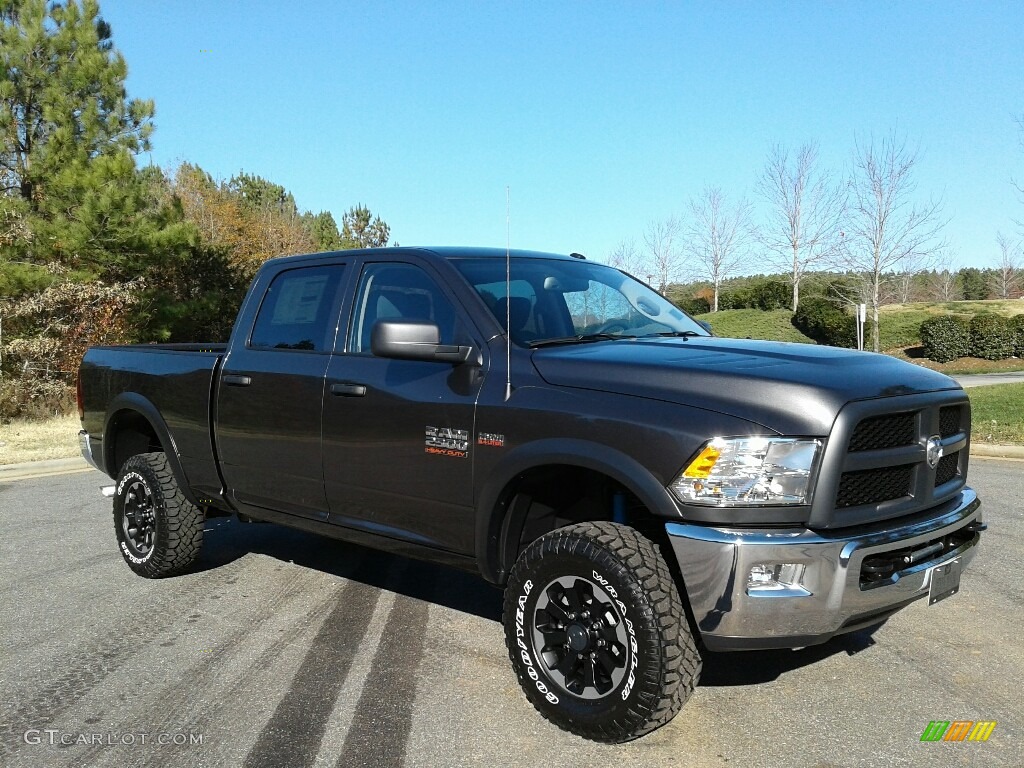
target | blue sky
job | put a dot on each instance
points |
(599, 117)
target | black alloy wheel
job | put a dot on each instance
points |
(581, 637)
(138, 521)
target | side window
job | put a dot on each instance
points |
(398, 292)
(520, 308)
(297, 312)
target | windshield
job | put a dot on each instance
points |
(553, 300)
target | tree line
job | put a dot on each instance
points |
(867, 224)
(94, 248)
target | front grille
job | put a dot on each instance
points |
(889, 431)
(875, 465)
(873, 486)
(949, 420)
(947, 469)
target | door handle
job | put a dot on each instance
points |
(234, 380)
(348, 389)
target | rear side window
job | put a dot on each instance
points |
(298, 311)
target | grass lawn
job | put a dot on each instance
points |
(754, 324)
(899, 330)
(34, 440)
(997, 413)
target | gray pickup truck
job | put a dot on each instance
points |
(640, 488)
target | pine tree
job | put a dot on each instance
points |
(63, 104)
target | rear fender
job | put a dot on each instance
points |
(130, 402)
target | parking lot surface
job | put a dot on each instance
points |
(284, 649)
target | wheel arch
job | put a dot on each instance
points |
(499, 519)
(134, 425)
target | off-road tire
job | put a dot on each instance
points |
(626, 572)
(159, 532)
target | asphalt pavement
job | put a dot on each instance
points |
(987, 379)
(284, 649)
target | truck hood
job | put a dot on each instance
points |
(794, 389)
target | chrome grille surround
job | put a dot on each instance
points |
(875, 468)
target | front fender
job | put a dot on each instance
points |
(492, 506)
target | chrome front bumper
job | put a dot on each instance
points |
(831, 597)
(85, 445)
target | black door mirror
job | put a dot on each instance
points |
(705, 325)
(406, 340)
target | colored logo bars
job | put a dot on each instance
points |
(958, 730)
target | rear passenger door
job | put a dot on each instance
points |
(398, 453)
(270, 395)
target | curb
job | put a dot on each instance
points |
(48, 468)
(990, 451)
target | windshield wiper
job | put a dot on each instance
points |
(579, 339)
(678, 334)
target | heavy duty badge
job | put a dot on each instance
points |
(443, 441)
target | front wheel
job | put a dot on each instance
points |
(159, 532)
(596, 632)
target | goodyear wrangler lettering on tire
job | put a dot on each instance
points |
(128, 477)
(593, 615)
(633, 645)
(524, 650)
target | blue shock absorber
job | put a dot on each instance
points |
(619, 508)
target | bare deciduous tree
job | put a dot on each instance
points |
(885, 228)
(807, 208)
(945, 283)
(718, 236)
(662, 240)
(627, 257)
(1006, 277)
(901, 285)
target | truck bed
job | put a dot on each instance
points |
(174, 383)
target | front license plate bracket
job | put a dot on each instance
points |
(944, 581)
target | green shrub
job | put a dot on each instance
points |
(696, 305)
(771, 295)
(993, 337)
(827, 323)
(945, 338)
(741, 298)
(767, 295)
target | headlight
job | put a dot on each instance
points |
(749, 471)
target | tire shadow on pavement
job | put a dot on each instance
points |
(226, 540)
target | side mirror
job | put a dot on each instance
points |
(705, 325)
(410, 340)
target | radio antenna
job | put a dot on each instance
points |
(508, 294)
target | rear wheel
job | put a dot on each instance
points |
(596, 632)
(159, 532)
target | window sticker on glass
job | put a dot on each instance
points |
(299, 300)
